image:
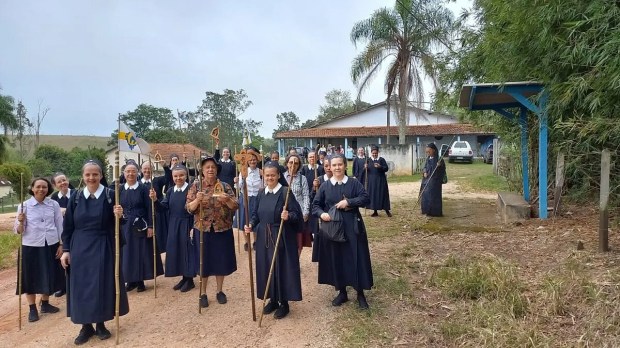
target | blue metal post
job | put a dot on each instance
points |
(542, 156)
(280, 145)
(524, 154)
(346, 144)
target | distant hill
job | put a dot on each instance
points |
(68, 142)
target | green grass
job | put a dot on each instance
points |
(9, 243)
(476, 177)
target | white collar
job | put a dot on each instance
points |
(33, 201)
(182, 188)
(96, 193)
(325, 177)
(144, 181)
(275, 189)
(361, 157)
(334, 182)
(225, 161)
(133, 187)
(60, 195)
(375, 159)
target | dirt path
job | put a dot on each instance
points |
(173, 320)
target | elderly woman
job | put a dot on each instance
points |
(137, 226)
(299, 188)
(343, 264)
(213, 215)
(40, 223)
(88, 256)
(182, 243)
(267, 216)
(433, 174)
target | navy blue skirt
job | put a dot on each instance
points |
(42, 272)
(219, 257)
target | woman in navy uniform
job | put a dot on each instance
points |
(266, 218)
(88, 256)
(219, 258)
(137, 226)
(161, 215)
(182, 247)
(434, 172)
(62, 195)
(343, 264)
(377, 183)
(229, 167)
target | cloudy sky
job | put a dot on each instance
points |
(90, 60)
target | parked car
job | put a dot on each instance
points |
(460, 151)
(487, 155)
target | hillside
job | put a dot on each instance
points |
(68, 142)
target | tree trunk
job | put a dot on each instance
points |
(402, 120)
(387, 140)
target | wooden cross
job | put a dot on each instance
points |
(243, 157)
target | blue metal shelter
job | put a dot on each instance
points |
(501, 98)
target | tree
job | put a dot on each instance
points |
(13, 173)
(8, 121)
(57, 158)
(24, 126)
(570, 46)
(144, 120)
(224, 111)
(337, 102)
(286, 121)
(406, 37)
(41, 113)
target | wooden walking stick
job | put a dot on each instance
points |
(366, 182)
(117, 244)
(275, 254)
(238, 222)
(154, 236)
(19, 263)
(243, 156)
(200, 236)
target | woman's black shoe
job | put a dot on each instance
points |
(189, 284)
(361, 299)
(131, 286)
(270, 307)
(60, 293)
(340, 299)
(221, 297)
(48, 308)
(33, 315)
(387, 212)
(204, 301)
(141, 287)
(374, 214)
(282, 311)
(180, 284)
(85, 334)
(102, 332)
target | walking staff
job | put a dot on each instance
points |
(21, 249)
(275, 255)
(243, 156)
(200, 236)
(117, 243)
(154, 236)
(238, 222)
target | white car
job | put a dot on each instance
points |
(460, 151)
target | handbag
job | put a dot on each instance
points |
(333, 230)
(139, 226)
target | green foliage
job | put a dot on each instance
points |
(286, 121)
(57, 158)
(12, 172)
(9, 243)
(571, 46)
(337, 102)
(161, 135)
(39, 167)
(405, 37)
(145, 119)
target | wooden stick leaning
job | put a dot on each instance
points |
(19, 263)
(242, 157)
(117, 244)
(154, 236)
(366, 183)
(275, 254)
(200, 236)
(237, 194)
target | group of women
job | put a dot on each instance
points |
(76, 231)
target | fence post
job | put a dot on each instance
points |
(603, 237)
(559, 184)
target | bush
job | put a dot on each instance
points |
(12, 172)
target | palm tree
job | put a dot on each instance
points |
(407, 37)
(8, 121)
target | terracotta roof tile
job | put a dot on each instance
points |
(342, 132)
(165, 150)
